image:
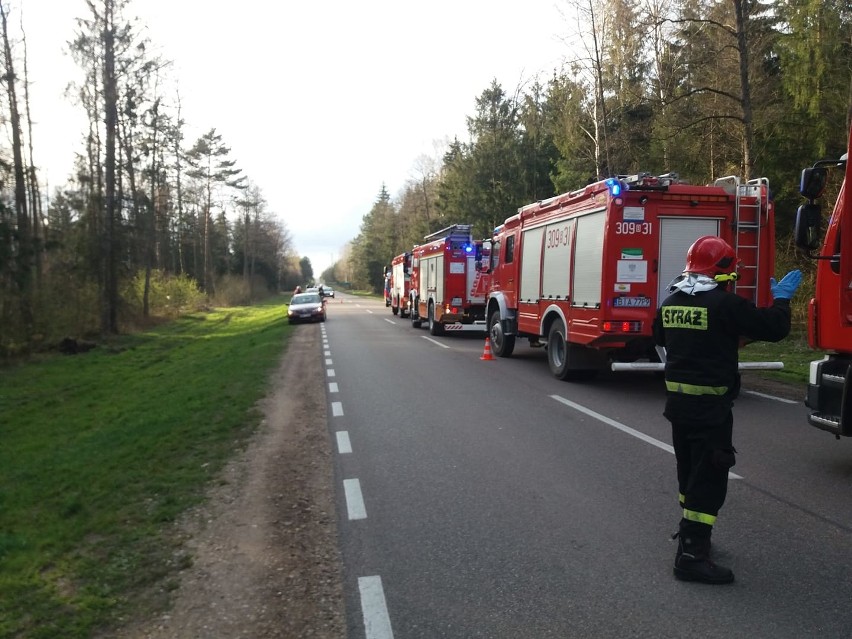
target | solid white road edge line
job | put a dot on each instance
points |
(337, 409)
(625, 429)
(354, 499)
(374, 608)
(344, 444)
(429, 339)
(777, 399)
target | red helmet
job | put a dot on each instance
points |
(711, 256)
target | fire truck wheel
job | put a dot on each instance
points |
(435, 328)
(415, 318)
(559, 355)
(501, 344)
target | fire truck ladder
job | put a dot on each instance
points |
(750, 204)
(456, 230)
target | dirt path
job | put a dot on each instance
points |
(265, 559)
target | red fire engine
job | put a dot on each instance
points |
(388, 283)
(583, 273)
(830, 310)
(446, 288)
(399, 284)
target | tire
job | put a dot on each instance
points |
(559, 356)
(435, 328)
(415, 319)
(502, 345)
(557, 350)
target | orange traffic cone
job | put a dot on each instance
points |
(486, 355)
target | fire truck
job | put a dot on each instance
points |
(583, 273)
(447, 290)
(388, 283)
(830, 310)
(399, 284)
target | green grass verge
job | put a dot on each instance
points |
(102, 451)
(793, 351)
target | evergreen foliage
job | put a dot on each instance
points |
(704, 88)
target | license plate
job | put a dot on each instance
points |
(632, 302)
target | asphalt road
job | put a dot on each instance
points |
(488, 499)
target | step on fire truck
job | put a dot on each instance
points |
(583, 273)
(447, 290)
(400, 281)
(830, 310)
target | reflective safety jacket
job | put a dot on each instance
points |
(701, 334)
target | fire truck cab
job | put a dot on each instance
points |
(446, 288)
(400, 285)
(830, 309)
(583, 273)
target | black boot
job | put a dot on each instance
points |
(693, 563)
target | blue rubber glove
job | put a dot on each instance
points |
(785, 289)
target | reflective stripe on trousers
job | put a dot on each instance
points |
(701, 518)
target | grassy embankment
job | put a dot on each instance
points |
(102, 451)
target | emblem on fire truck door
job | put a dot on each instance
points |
(632, 271)
(479, 288)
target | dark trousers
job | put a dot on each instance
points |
(702, 431)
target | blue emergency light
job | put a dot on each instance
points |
(614, 186)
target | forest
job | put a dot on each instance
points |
(152, 225)
(703, 88)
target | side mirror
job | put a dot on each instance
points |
(807, 228)
(813, 182)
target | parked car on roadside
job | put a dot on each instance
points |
(306, 307)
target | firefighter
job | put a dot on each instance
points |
(701, 325)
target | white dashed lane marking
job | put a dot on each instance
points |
(429, 339)
(344, 445)
(375, 609)
(777, 399)
(337, 409)
(625, 429)
(354, 499)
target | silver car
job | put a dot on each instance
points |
(306, 307)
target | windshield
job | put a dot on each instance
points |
(305, 298)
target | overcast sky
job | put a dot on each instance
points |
(320, 102)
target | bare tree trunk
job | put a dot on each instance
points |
(109, 320)
(178, 175)
(151, 226)
(600, 124)
(745, 86)
(24, 266)
(35, 195)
